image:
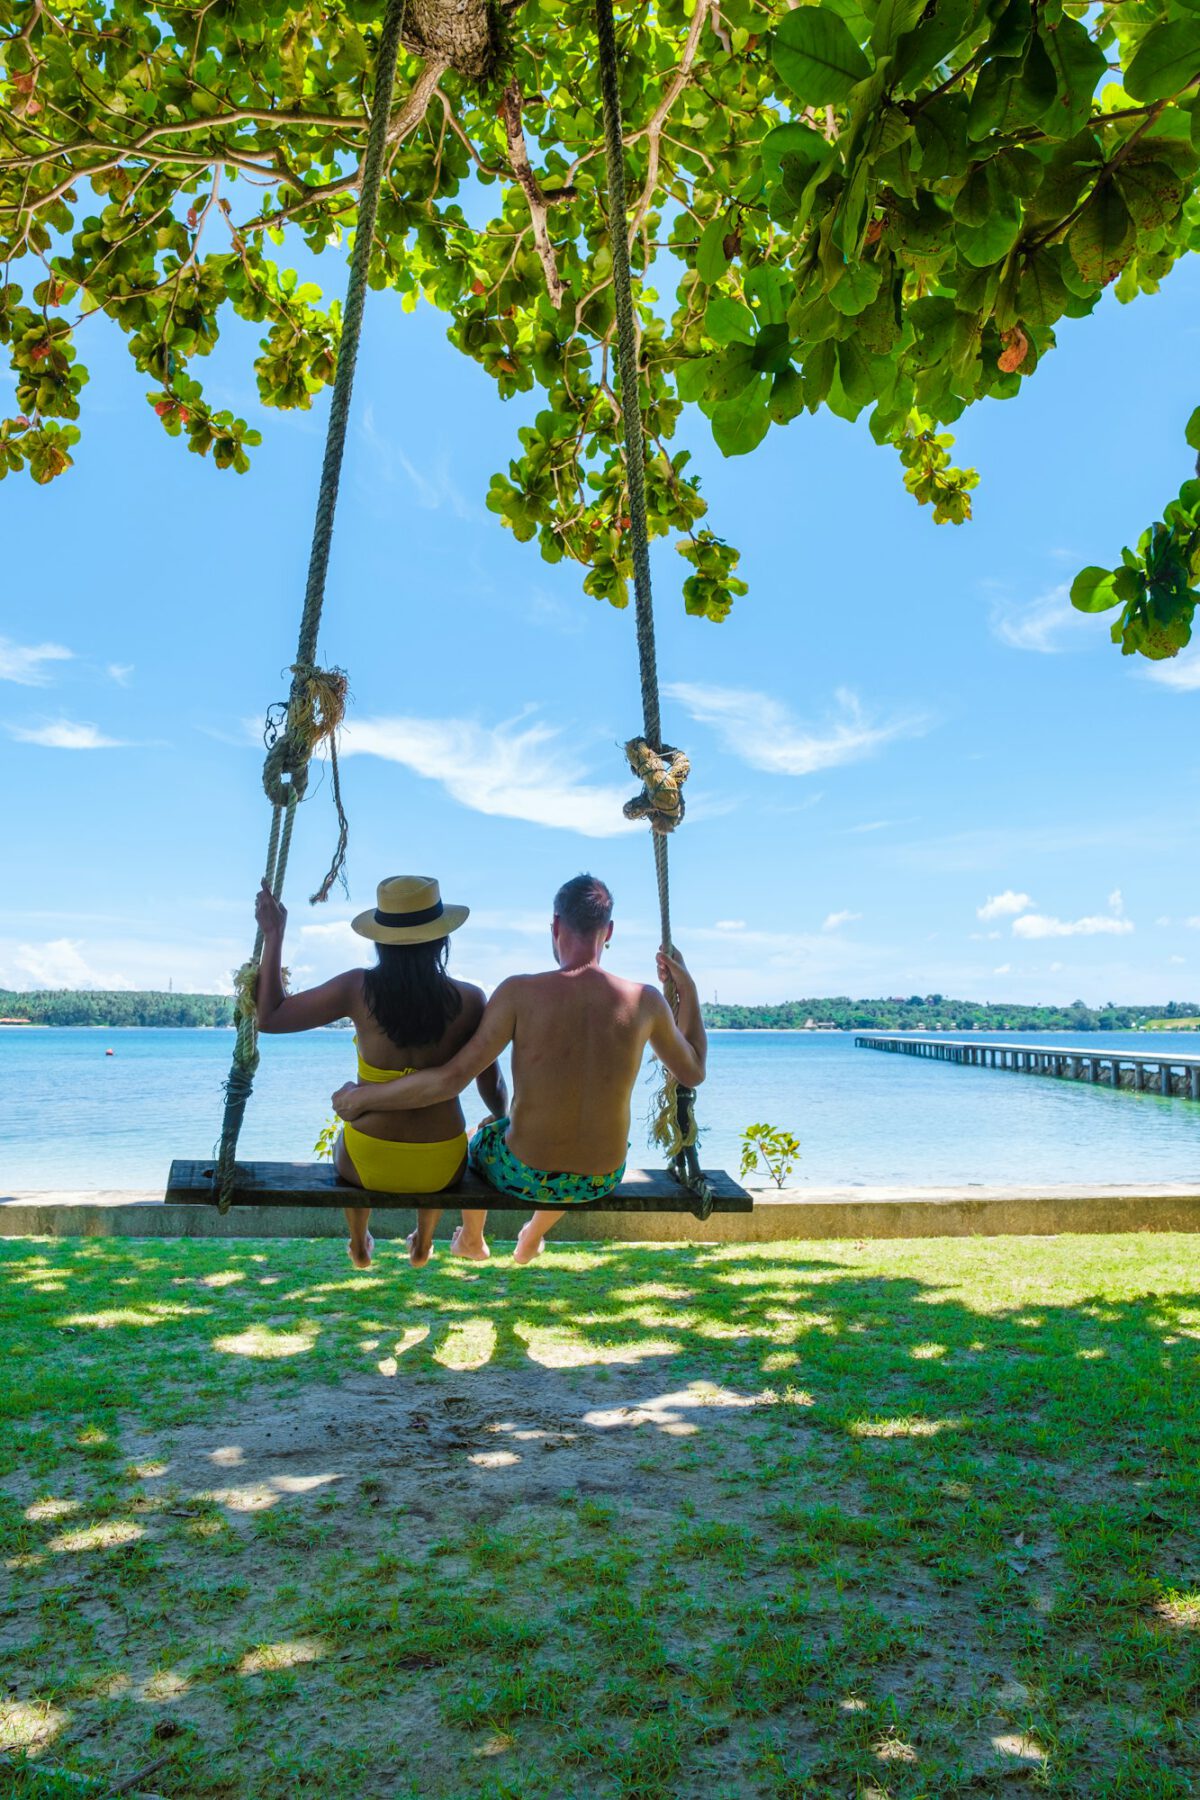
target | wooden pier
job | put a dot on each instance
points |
(1140, 1070)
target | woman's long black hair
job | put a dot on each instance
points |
(411, 997)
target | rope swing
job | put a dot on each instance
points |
(661, 769)
(317, 700)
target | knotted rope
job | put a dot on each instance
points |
(662, 775)
(661, 769)
(317, 699)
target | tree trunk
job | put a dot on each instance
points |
(466, 34)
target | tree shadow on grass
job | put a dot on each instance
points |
(649, 1523)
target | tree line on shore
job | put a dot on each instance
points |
(928, 1012)
(115, 1007)
(936, 1012)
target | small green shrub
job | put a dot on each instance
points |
(765, 1146)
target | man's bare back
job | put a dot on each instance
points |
(578, 1039)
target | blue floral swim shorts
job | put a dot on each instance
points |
(490, 1156)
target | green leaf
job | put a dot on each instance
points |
(769, 289)
(807, 146)
(1042, 296)
(892, 20)
(692, 378)
(729, 372)
(815, 54)
(1094, 590)
(942, 136)
(711, 260)
(1010, 35)
(855, 287)
(740, 425)
(987, 243)
(1079, 64)
(1192, 430)
(773, 350)
(728, 321)
(920, 51)
(989, 98)
(1166, 60)
(1152, 191)
(1102, 238)
(787, 397)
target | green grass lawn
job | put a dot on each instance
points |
(902, 1519)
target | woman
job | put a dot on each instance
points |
(409, 1015)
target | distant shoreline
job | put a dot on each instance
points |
(151, 1009)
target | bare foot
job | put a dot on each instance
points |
(361, 1254)
(526, 1248)
(473, 1249)
(419, 1252)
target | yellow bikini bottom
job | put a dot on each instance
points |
(389, 1168)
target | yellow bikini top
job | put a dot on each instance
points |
(367, 1073)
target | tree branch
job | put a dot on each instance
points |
(518, 157)
(652, 130)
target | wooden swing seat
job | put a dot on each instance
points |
(317, 1184)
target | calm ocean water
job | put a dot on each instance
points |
(70, 1116)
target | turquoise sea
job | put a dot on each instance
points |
(73, 1117)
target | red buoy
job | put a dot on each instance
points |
(109, 1053)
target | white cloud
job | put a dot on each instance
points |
(26, 663)
(731, 924)
(1116, 902)
(121, 673)
(514, 770)
(1193, 924)
(1038, 925)
(65, 734)
(194, 965)
(1045, 625)
(1177, 959)
(765, 734)
(999, 906)
(1003, 969)
(60, 964)
(1179, 672)
(835, 920)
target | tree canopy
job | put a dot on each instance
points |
(883, 207)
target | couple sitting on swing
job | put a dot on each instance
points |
(578, 1035)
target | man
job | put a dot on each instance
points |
(578, 1036)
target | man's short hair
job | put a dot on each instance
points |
(584, 904)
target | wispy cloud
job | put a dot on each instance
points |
(26, 664)
(835, 920)
(999, 906)
(432, 483)
(66, 734)
(1179, 672)
(1046, 625)
(767, 735)
(516, 770)
(121, 673)
(1040, 925)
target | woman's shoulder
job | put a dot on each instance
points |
(473, 998)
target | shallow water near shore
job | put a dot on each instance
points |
(73, 1117)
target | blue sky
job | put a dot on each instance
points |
(913, 768)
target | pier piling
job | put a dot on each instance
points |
(1173, 1075)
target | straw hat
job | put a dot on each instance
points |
(409, 911)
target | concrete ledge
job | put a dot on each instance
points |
(794, 1213)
